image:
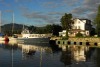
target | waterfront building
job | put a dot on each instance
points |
(83, 26)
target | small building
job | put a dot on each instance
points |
(63, 33)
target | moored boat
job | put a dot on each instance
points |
(34, 38)
(6, 38)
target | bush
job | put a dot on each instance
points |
(79, 34)
(65, 38)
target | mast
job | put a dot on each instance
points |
(23, 27)
(13, 24)
(41, 57)
(0, 21)
(12, 57)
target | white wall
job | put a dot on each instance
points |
(78, 24)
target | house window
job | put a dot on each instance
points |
(75, 27)
(87, 33)
(78, 27)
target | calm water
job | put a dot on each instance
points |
(48, 55)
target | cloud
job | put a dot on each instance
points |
(55, 13)
(91, 15)
(54, 9)
(8, 11)
(24, 9)
(17, 1)
(4, 3)
(59, 3)
(4, 21)
(87, 9)
(70, 2)
(49, 4)
(40, 17)
(80, 10)
(37, 16)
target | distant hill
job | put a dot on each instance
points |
(8, 28)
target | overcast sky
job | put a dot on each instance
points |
(42, 12)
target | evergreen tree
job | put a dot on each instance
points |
(66, 22)
(56, 29)
(97, 22)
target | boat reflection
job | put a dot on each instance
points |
(31, 48)
(9, 42)
(32, 51)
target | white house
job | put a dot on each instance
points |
(80, 25)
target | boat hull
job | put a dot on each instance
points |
(34, 40)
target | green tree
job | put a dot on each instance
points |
(97, 22)
(32, 29)
(48, 28)
(56, 29)
(79, 34)
(66, 22)
(92, 32)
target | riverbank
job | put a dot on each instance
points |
(78, 41)
(83, 39)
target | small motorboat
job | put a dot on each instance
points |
(6, 38)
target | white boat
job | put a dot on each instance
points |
(2, 38)
(34, 38)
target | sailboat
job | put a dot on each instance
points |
(5, 37)
(13, 38)
(2, 38)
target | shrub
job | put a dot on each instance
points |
(79, 34)
(64, 38)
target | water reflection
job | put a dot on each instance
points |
(48, 55)
(66, 56)
(78, 53)
(31, 55)
(84, 56)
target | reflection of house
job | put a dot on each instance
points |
(73, 54)
(80, 25)
(78, 53)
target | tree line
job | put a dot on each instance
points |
(54, 29)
